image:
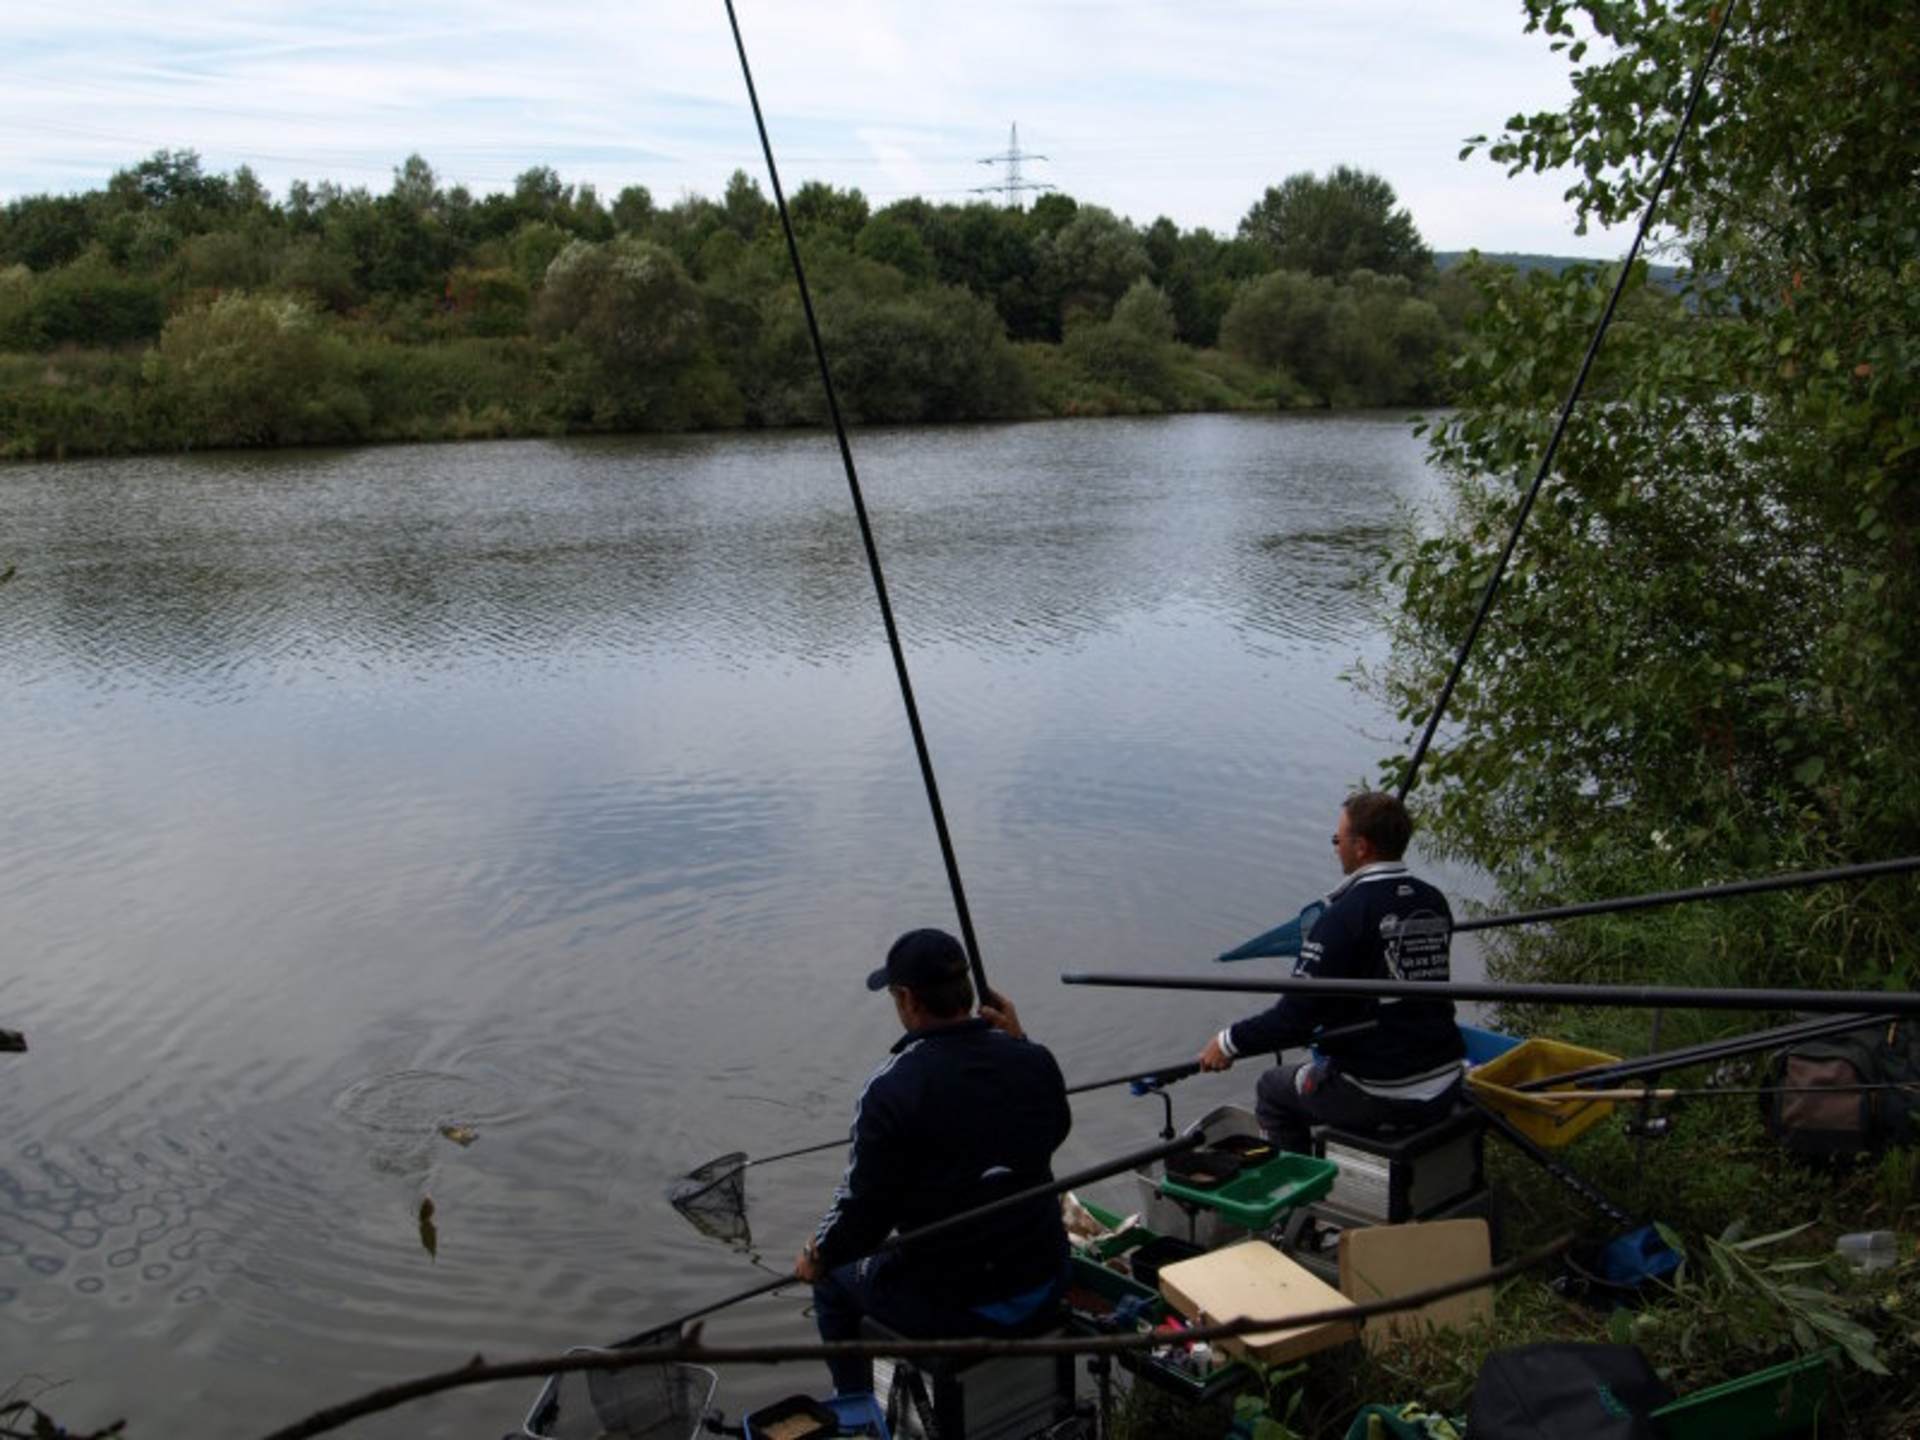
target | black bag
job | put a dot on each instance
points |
(1560, 1391)
(1845, 1122)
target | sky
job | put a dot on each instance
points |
(1184, 108)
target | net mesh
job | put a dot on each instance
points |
(644, 1402)
(714, 1198)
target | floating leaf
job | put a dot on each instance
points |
(429, 1232)
(460, 1134)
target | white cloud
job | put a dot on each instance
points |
(1190, 110)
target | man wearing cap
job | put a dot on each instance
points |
(964, 1111)
(1401, 1072)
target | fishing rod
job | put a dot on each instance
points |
(1566, 410)
(715, 1172)
(866, 531)
(1675, 1092)
(1167, 1074)
(938, 1228)
(1632, 997)
(1728, 891)
(1709, 1052)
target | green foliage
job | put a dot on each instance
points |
(91, 303)
(254, 371)
(924, 297)
(1092, 261)
(1704, 659)
(887, 240)
(491, 302)
(1746, 1309)
(1335, 226)
(635, 312)
(1133, 350)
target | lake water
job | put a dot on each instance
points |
(561, 790)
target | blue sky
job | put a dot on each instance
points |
(1188, 108)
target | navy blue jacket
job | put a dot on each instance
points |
(957, 1116)
(1380, 924)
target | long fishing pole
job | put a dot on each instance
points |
(953, 1222)
(1733, 888)
(721, 1169)
(1167, 1074)
(1675, 1092)
(1566, 410)
(866, 530)
(1633, 997)
(1708, 1052)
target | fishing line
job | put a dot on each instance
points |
(866, 529)
(1566, 410)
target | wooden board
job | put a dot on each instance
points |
(1385, 1261)
(1255, 1281)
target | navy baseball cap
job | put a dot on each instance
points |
(918, 959)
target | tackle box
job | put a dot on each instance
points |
(1248, 1203)
(1767, 1405)
(1090, 1280)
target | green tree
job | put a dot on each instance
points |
(1133, 350)
(889, 240)
(633, 209)
(1706, 658)
(1282, 321)
(1093, 260)
(1346, 222)
(42, 231)
(746, 211)
(91, 303)
(632, 307)
(821, 211)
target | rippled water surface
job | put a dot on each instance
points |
(561, 792)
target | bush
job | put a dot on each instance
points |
(256, 370)
(91, 303)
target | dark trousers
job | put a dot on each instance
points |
(1291, 1099)
(906, 1301)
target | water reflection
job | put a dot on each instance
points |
(560, 791)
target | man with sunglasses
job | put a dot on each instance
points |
(1380, 923)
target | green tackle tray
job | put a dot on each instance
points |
(1112, 1245)
(1766, 1405)
(1257, 1195)
(1111, 1285)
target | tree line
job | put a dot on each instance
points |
(176, 307)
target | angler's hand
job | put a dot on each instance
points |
(1215, 1058)
(808, 1267)
(998, 1011)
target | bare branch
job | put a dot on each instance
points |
(478, 1372)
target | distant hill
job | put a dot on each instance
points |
(1665, 275)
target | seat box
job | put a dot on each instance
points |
(1389, 1179)
(1008, 1397)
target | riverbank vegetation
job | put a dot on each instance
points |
(177, 308)
(1704, 663)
